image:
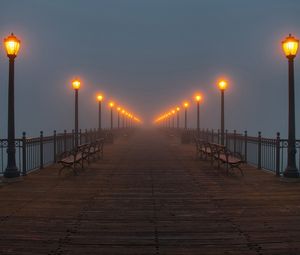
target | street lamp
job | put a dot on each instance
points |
(123, 118)
(111, 105)
(185, 105)
(100, 98)
(177, 110)
(76, 87)
(222, 86)
(173, 119)
(119, 109)
(12, 46)
(290, 47)
(198, 98)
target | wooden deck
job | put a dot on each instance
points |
(150, 196)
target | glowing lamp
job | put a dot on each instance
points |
(173, 111)
(76, 84)
(12, 45)
(111, 104)
(222, 85)
(99, 98)
(119, 109)
(290, 46)
(186, 104)
(177, 109)
(198, 98)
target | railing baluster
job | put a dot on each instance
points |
(24, 159)
(54, 147)
(278, 154)
(246, 146)
(65, 141)
(234, 141)
(259, 151)
(41, 150)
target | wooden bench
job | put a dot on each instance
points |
(74, 158)
(231, 159)
(84, 152)
(96, 148)
(204, 150)
(220, 154)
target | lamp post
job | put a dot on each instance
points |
(76, 87)
(111, 105)
(173, 119)
(99, 98)
(198, 98)
(12, 46)
(123, 118)
(222, 86)
(290, 47)
(119, 109)
(185, 105)
(177, 110)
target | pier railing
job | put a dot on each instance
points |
(37, 152)
(262, 152)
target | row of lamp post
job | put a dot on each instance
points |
(222, 84)
(12, 47)
(290, 47)
(76, 86)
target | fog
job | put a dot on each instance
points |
(149, 56)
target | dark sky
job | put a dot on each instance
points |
(149, 55)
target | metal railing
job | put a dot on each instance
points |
(37, 152)
(262, 152)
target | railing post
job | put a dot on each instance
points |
(86, 136)
(234, 141)
(207, 135)
(65, 140)
(24, 156)
(278, 154)
(218, 136)
(80, 139)
(246, 146)
(226, 138)
(212, 136)
(259, 151)
(41, 151)
(54, 147)
(73, 139)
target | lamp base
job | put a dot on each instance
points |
(291, 172)
(11, 172)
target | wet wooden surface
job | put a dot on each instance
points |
(150, 196)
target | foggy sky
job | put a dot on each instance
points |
(150, 55)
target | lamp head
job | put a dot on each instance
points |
(12, 45)
(198, 97)
(222, 85)
(76, 84)
(99, 98)
(290, 46)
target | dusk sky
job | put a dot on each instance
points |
(150, 55)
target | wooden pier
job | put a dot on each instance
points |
(150, 196)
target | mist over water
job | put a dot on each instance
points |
(149, 56)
